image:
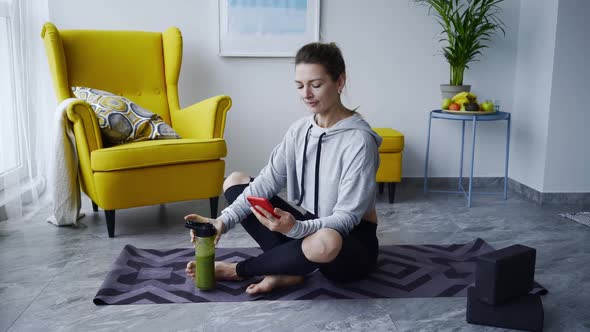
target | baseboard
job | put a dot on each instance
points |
(514, 187)
(541, 198)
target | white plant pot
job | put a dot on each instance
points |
(449, 91)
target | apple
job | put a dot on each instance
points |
(446, 103)
(454, 107)
(487, 106)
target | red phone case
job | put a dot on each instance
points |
(263, 203)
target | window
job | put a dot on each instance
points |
(10, 160)
(24, 142)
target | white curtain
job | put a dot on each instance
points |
(27, 105)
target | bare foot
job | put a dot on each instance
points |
(223, 271)
(273, 282)
(226, 271)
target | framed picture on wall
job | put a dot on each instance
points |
(267, 28)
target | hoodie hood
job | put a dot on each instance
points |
(353, 122)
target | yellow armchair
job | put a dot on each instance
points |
(143, 67)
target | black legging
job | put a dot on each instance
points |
(284, 256)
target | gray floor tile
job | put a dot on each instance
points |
(11, 310)
(435, 325)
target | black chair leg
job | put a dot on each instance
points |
(213, 202)
(391, 192)
(94, 207)
(381, 186)
(110, 215)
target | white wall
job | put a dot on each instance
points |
(567, 164)
(532, 91)
(394, 69)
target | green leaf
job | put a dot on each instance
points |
(468, 26)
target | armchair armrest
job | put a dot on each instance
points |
(205, 119)
(88, 139)
(86, 129)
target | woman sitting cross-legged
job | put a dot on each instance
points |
(327, 162)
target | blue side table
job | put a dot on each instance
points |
(475, 118)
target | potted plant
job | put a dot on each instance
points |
(467, 26)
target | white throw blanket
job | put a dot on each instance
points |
(63, 170)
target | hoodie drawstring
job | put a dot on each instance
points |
(317, 171)
(317, 175)
(303, 166)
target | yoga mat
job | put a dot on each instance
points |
(147, 276)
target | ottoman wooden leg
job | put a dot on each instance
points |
(391, 192)
(213, 202)
(381, 186)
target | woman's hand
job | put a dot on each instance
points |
(216, 223)
(282, 225)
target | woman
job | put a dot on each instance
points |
(328, 163)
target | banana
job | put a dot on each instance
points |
(460, 95)
(461, 101)
(464, 97)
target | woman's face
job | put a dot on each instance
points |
(317, 89)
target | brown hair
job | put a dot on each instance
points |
(327, 55)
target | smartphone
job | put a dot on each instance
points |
(263, 203)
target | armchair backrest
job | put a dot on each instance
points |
(142, 66)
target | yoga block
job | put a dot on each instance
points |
(523, 313)
(504, 274)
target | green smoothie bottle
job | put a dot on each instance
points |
(204, 255)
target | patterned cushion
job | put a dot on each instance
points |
(123, 121)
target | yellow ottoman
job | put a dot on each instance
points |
(390, 153)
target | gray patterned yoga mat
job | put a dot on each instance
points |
(145, 276)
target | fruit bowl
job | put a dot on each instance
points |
(466, 103)
(468, 112)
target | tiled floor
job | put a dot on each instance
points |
(49, 275)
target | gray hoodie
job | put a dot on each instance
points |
(339, 194)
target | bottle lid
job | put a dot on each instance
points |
(201, 229)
